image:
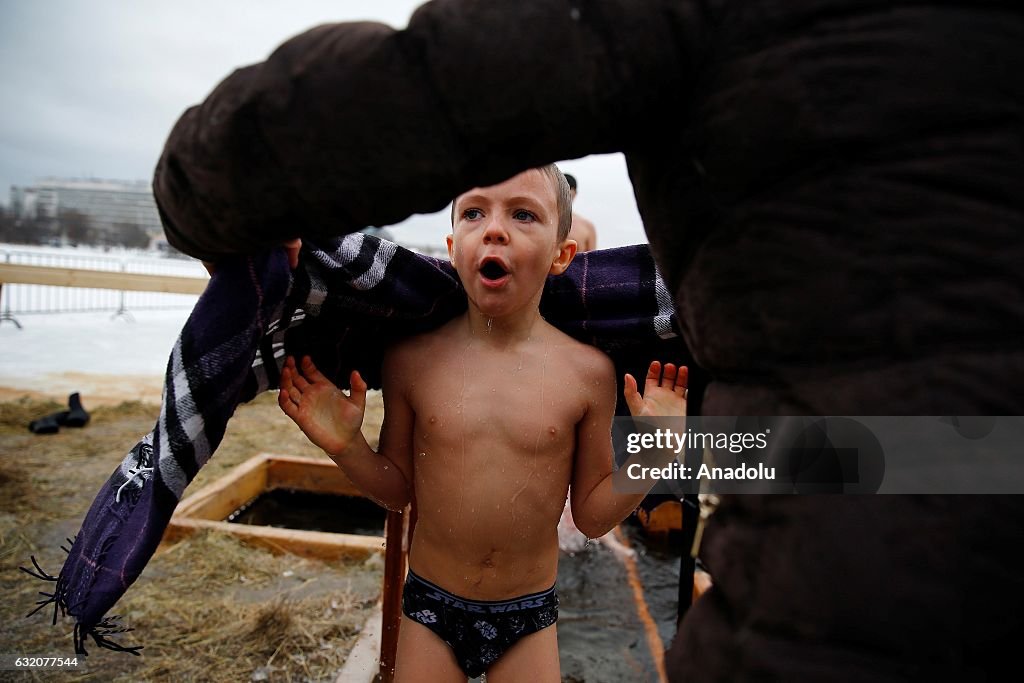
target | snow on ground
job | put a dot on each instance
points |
(107, 359)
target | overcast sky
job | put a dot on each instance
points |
(91, 88)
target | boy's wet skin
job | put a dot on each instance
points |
(508, 393)
(492, 469)
(487, 421)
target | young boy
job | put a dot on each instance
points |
(487, 421)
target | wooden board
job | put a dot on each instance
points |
(314, 544)
(227, 494)
(315, 475)
(13, 273)
(211, 505)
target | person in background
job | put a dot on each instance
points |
(583, 231)
(380, 233)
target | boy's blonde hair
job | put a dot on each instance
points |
(563, 200)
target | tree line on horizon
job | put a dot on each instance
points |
(69, 227)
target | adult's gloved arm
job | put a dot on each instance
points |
(349, 125)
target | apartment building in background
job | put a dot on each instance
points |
(108, 204)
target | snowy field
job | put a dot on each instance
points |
(107, 358)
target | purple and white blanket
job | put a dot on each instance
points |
(344, 304)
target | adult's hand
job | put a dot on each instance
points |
(291, 248)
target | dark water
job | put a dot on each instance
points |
(313, 512)
(600, 634)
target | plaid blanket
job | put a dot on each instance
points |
(344, 304)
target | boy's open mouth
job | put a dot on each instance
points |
(493, 270)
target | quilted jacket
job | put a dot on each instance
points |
(834, 191)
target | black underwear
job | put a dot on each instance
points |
(477, 631)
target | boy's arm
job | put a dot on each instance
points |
(399, 420)
(596, 507)
(332, 421)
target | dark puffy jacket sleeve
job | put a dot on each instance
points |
(350, 125)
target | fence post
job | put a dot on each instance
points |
(122, 310)
(6, 315)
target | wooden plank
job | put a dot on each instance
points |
(224, 496)
(396, 533)
(315, 475)
(313, 544)
(654, 643)
(15, 273)
(194, 505)
(363, 659)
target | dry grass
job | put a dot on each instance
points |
(208, 608)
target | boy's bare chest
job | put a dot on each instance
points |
(511, 403)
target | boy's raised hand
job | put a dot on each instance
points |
(325, 414)
(664, 392)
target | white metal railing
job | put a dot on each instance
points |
(20, 299)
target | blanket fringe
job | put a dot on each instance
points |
(59, 595)
(100, 633)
